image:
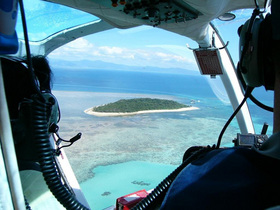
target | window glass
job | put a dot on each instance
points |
(45, 18)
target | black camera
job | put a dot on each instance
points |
(250, 140)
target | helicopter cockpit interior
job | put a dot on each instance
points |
(209, 176)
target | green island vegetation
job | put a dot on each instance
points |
(139, 104)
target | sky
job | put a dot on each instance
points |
(140, 46)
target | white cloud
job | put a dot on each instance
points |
(158, 56)
(111, 50)
(75, 50)
(80, 43)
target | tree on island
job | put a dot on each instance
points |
(139, 104)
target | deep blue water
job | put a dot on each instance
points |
(132, 82)
(185, 87)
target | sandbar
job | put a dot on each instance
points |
(117, 114)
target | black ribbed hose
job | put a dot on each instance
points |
(47, 160)
(157, 195)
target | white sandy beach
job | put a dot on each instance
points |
(114, 114)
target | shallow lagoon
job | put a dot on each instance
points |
(111, 182)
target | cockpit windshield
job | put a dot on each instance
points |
(46, 18)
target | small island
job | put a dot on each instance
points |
(134, 106)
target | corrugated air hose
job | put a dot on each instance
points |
(156, 197)
(46, 157)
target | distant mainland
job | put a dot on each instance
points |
(134, 106)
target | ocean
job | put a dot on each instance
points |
(131, 82)
(120, 155)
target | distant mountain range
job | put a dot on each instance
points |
(99, 65)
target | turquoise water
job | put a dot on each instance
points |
(111, 182)
(120, 155)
